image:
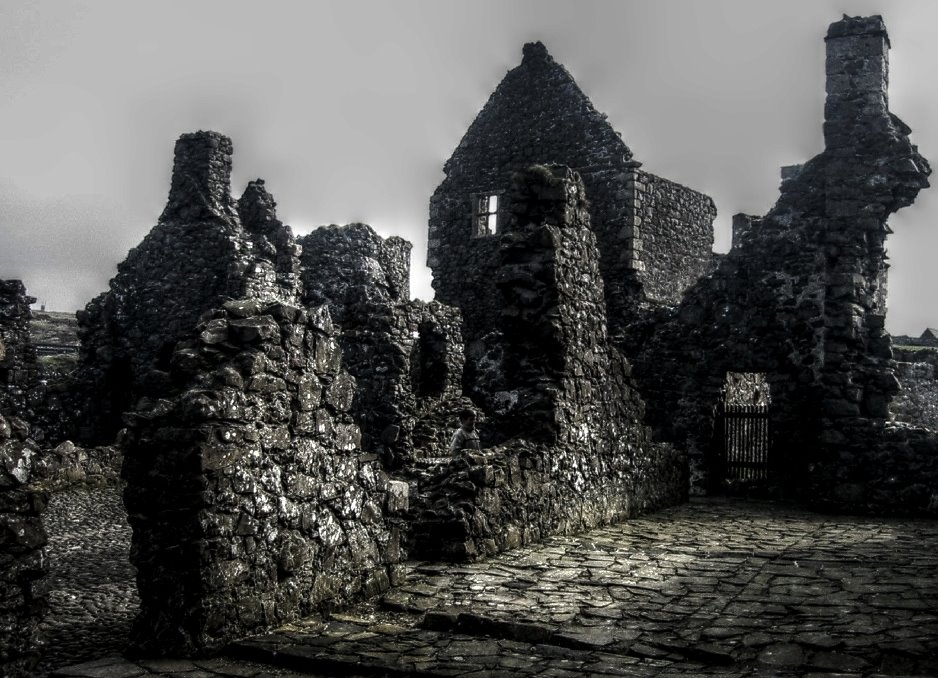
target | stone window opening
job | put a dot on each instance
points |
(486, 213)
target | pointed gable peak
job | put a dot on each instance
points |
(535, 51)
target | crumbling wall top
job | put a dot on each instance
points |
(857, 25)
(201, 184)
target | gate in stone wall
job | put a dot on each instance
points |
(742, 444)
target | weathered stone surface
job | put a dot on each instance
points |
(206, 249)
(406, 356)
(801, 299)
(917, 400)
(655, 237)
(250, 499)
(572, 450)
(23, 595)
(683, 592)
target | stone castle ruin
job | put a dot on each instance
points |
(283, 408)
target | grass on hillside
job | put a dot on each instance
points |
(54, 327)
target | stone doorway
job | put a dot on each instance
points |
(740, 460)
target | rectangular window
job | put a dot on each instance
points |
(485, 215)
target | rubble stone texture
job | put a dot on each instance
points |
(250, 499)
(23, 570)
(801, 298)
(576, 452)
(18, 363)
(205, 249)
(406, 356)
(655, 237)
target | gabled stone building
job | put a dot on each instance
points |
(654, 236)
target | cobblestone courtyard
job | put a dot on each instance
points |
(713, 587)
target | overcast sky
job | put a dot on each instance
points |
(348, 109)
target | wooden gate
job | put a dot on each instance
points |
(743, 444)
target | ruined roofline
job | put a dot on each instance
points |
(537, 65)
(858, 25)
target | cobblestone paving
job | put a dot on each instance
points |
(93, 596)
(709, 588)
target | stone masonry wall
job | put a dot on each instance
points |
(917, 400)
(18, 363)
(200, 253)
(250, 498)
(578, 453)
(23, 569)
(802, 299)
(347, 265)
(672, 238)
(538, 114)
(406, 356)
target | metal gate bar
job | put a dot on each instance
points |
(743, 452)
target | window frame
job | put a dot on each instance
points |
(498, 213)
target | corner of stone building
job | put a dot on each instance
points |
(250, 498)
(199, 253)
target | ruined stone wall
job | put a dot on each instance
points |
(23, 569)
(406, 356)
(250, 498)
(18, 363)
(672, 236)
(578, 453)
(537, 114)
(347, 265)
(200, 253)
(801, 299)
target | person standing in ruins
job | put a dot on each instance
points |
(466, 436)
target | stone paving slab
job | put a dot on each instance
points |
(709, 588)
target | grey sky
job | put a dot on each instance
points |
(349, 108)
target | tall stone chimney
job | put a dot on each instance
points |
(857, 79)
(201, 186)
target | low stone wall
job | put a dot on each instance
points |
(250, 499)
(67, 465)
(895, 473)
(502, 498)
(23, 570)
(406, 356)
